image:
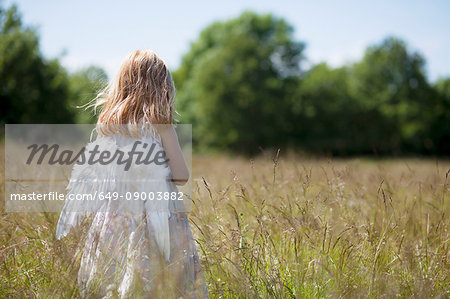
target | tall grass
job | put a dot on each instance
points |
(318, 228)
(279, 228)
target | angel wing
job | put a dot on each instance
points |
(96, 179)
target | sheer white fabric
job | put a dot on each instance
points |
(138, 248)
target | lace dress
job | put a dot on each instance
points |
(134, 248)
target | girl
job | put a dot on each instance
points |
(138, 248)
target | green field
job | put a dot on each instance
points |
(292, 227)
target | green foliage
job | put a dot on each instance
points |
(382, 104)
(242, 88)
(84, 86)
(236, 82)
(390, 82)
(439, 129)
(32, 89)
(327, 114)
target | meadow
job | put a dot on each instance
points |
(279, 227)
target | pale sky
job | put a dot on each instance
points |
(102, 32)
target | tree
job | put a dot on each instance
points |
(237, 82)
(390, 83)
(328, 117)
(438, 137)
(32, 88)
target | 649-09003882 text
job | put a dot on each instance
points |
(54, 196)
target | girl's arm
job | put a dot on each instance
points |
(178, 167)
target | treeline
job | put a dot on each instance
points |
(242, 88)
(34, 89)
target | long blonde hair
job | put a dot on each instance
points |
(142, 92)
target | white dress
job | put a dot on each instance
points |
(134, 248)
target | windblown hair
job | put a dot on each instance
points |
(142, 93)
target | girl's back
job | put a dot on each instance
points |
(135, 246)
